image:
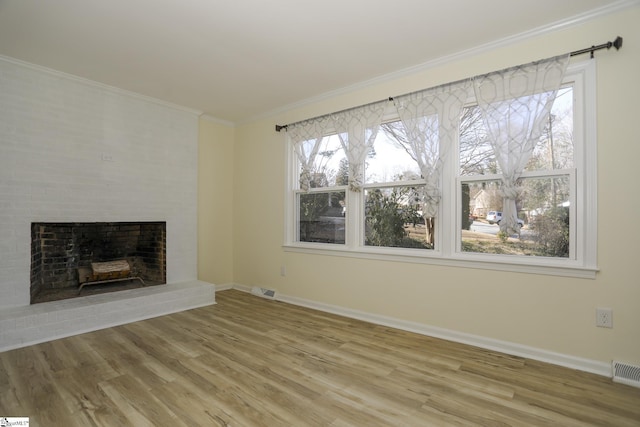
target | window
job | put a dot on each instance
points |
(393, 192)
(321, 206)
(544, 192)
(393, 201)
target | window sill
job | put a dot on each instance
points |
(544, 266)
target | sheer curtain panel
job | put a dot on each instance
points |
(307, 137)
(515, 105)
(430, 119)
(357, 129)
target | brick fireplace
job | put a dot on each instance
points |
(60, 252)
(76, 153)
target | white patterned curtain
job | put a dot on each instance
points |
(357, 129)
(307, 138)
(515, 104)
(431, 123)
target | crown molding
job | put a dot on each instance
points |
(217, 120)
(464, 54)
(95, 84)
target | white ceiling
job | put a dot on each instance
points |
(239, 59)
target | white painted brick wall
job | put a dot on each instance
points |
(76, 151)
(71, 150)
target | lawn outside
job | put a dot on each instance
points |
(473, 241)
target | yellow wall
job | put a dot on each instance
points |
(215, 202)
(554, 314)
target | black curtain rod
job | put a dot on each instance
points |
(617, 43)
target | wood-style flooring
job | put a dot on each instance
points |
(249, 361)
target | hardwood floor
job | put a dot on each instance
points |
(249, 361)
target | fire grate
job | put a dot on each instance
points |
(106, 272)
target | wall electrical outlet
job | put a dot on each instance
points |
(283, 270)
(604, 317)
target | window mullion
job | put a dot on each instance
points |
(354, 219)
(447, 227)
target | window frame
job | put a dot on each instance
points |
(582, 262)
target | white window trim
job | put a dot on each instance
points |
(581, 264)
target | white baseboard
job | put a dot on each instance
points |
(227, 286)
(568, 361)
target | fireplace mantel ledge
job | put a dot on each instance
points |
(27, 325)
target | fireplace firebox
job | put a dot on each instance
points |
(63, 253)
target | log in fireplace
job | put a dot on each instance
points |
(110, 256)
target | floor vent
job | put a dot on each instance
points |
(263, 292)
(626, 374)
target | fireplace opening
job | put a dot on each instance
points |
(76, 259)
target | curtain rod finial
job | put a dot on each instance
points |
(281, 127)
(617, 43)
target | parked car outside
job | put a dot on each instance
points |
(494, 217)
